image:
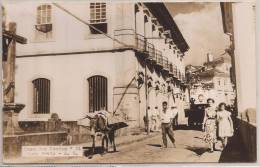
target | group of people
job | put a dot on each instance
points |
(217, 123)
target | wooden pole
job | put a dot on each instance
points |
(9, 67)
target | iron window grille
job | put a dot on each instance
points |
(41, 96)
(43, 21)
(97, 93)
(98, 17)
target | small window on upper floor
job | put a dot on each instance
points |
(43, 24)
(98, 18)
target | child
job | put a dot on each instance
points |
(225, 124)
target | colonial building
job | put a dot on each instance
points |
(81, 57)
(212, 80)
(239, 24)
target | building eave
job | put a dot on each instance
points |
(160, 11)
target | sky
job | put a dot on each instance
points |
(201, 26)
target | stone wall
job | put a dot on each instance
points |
(12, 145)
(46, 133)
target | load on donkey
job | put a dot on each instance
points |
(104, 124)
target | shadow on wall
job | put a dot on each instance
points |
(234, 151)
(242, 146)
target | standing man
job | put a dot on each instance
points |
(166, 116)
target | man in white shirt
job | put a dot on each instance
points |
(166, 117)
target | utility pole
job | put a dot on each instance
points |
(146, 97)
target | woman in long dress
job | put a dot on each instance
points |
(209, 124)
(225, 124)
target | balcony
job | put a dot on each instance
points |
(128, 38)
(159, 58)
(165, 64)
(151, 52)
(170, 69)
(175, 71)
(183, 78)
(179, 75)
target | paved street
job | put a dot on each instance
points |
(188, 143)
(189, 148)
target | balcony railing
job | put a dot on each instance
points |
(130, 39)
(136, 41)
(175, 71)
(165, 64)
(159, 58)
(151, 51)
(170, 69)
(183, 78)
(179, 75)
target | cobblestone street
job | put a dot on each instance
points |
(190, 147)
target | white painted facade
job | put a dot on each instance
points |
(222, 89)
(245, 57)
(71, 54)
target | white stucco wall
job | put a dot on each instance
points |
(245, 58)
(68, 75)
(68, 34)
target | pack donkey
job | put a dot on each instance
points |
(99, 126)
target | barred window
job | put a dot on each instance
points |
(44, 14)
(97, 93)
(43, 19)
(98, 17)
(41, 96)
(97, 12)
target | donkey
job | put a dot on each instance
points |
(99, 126)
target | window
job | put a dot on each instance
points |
(43, 22)
(98, 17)
(41, 96)
(97, 93)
